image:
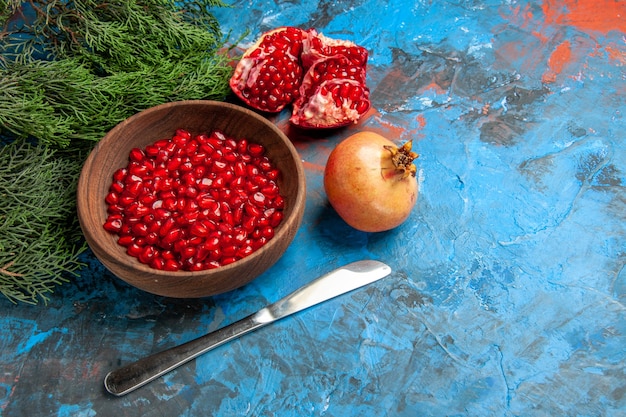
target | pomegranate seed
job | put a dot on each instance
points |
(231, 157)
(212, 243)
(202, 138)
(172, 236)
(126, 240)
(264, 164)
(276, 218)
(226, 230)
(187, 251)
(249, 223)
(259, 180)
(126, 200)
(112, 198)
(229, 260)
(160, 213)
(267, 232)
(183, 133)
(167, 226)
(137, 155)
(211, 265)
(141, 210)
(170, 203)
(152, 238)
(238, 214)
(152, 150)
(258, 199)
(114, 223)
(167, 254)
(270, 190)
(191, 147)
(251, 187)
(255, 149)
(242, 146)
(134, 250)
(252, 170)
(279, 202)
(263, 222)
(219, 166)
(120, 174)
(174, 163)
(252, 210)
(239, 169)
(191, 192)
(196, 266)
(137, 170)
(171, 265)
(229, 250)
(134, 188)
(272, 174)
(180, 140)
(199, 229)
(206, 201)
(157, 263)
(245, 251)
(140, 229)
(147, 255)
(115, 209)
(117, 187)
(219, 182)
(186, 165)
(260, 241)
(362, 106)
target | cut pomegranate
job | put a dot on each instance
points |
(179, 205)
(333, 94)
(269, 73)
(324, 78)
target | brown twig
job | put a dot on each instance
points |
(5, 270)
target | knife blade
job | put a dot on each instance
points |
(340, 281)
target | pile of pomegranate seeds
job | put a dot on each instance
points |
(195, 203)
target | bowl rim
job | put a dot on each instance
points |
(283, 231)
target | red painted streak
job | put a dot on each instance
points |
(559, 58)
(616, 54)
(421, 121)
(587, 15)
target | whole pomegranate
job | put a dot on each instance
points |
(371, 182)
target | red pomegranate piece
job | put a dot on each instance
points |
(324, 78)
(270, 72)
(194, 202)
(316, 46)
(333, 94)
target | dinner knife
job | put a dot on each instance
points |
(340, 281)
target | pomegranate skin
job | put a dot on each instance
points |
(364, 187)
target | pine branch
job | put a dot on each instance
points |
(38, 188)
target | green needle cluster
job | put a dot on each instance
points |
(38, 224)
(78, 68)
(69, 72)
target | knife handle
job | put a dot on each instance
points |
(134, 375)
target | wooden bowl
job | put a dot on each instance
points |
(148, 126)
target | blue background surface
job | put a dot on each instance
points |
(509, 287)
